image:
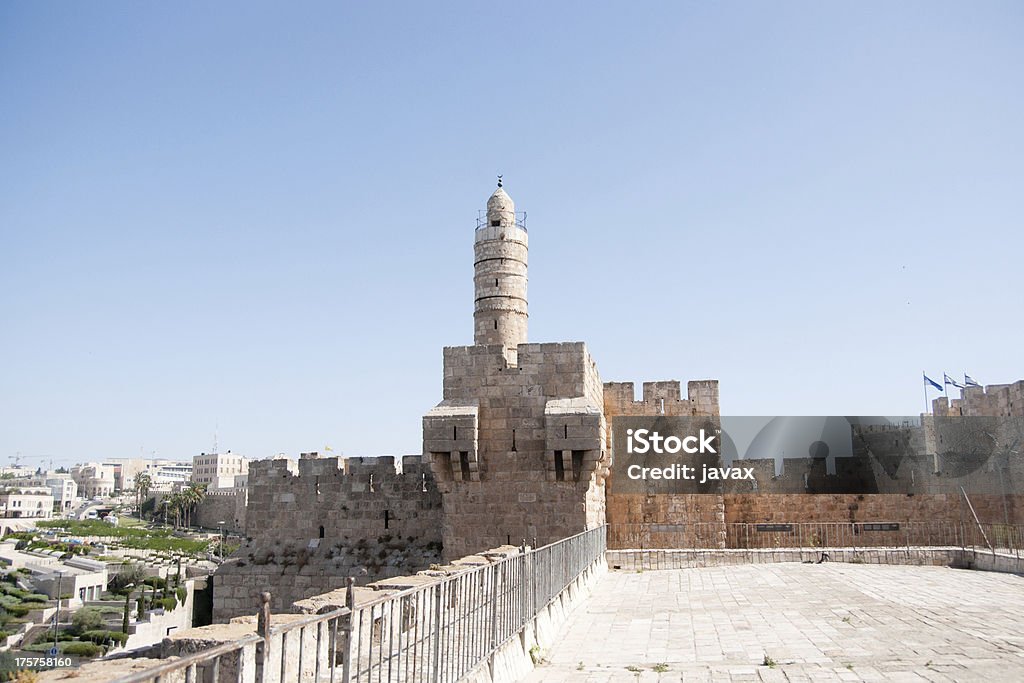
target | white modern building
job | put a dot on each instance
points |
(218, 470)
(166, 473)
(94, 480)
(25, 501)
(64, 491)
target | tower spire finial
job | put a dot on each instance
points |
(499, 180)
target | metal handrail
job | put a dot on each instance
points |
(193, 660)
(306, 621)
(435, 632)
(482, 222)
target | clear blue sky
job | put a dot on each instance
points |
(259, 218)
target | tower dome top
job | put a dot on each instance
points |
(500, 201)
(500, 207)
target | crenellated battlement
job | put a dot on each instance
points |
(313, 522)
(662, 398)
(1004, 400)
(319, 497)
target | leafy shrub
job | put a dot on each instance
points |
(101, 637)
(8, 665)
(61, 636)
(82, 649)
(155, 582)
(181, 593)
(86, 619)
(4, 635)
(169, 603)
(36, 597)
(20, 610)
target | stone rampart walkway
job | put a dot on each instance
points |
(795, 622)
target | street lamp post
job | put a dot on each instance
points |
(56, 615)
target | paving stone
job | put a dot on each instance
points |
(828, 622)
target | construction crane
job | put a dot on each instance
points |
(18, 457)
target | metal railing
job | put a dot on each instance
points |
(769, 535)
(439, 632)
(482, 222)
(434, 633)
(234, 661)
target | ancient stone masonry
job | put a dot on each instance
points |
(1006, 400)
(500, 257)
(332, 518)
(517, 449)
(705, 512)
(890, 477)
(223, 509)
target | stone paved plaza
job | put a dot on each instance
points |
(827, 622)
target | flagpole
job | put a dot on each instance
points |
(924, 382)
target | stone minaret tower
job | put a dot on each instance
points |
(500, 276)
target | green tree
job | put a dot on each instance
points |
(175, 507)
(129, 574)
(142, 484)
(86, 619)
(191, 496)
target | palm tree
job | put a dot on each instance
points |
(176, 503)
(142, 482)
(191, 497)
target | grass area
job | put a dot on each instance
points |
(136, 536)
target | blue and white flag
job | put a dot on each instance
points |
(933, 383)
(946, 379)
(969, 381)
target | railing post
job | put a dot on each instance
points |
(494, 607)
(436, 638)
(346, 631)
(263, 631)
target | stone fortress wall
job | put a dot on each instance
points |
(919, 475)
(227, 506)
(1000, 400)
(310, 527)
(627, 510)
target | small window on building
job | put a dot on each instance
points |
(321, 531)
(464, 463)
(559, 467)
(495, 223)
